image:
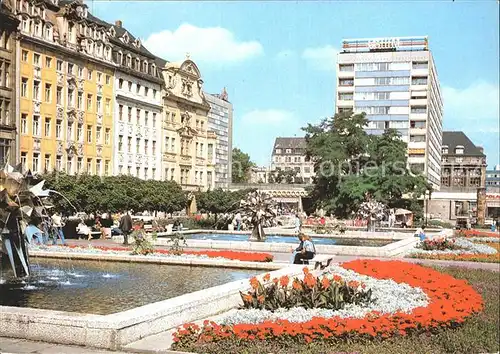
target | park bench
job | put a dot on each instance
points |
(320, 261)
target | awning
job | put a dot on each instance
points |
(402, 212)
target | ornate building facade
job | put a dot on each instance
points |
(138, 107)
(188, 146)
(290, 154)
(66, 88)
(8, 45)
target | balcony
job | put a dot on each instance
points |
(60, 78)
(186, 160)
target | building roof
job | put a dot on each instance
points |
(290, 143)
(454, 139)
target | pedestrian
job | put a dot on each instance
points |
(58, 227)
(298, 224)
(305, 251)
(125, 226)
(237, 218)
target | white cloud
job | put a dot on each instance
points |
(210, 45)
(321, 58)
(474, 108)
(268, 117)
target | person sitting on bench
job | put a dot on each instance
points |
(305, 251)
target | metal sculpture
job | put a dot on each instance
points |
(261, 210)
(20, 205)
(373, 212)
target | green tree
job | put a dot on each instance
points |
(241, 166)
(349, 164)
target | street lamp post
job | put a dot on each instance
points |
(428, 192)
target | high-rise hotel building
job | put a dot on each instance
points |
(395, 82)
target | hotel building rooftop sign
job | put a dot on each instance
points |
(389, 44)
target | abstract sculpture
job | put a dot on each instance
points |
(261, 210)
(373, 212)
(20, 204)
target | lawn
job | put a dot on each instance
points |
(479, 334)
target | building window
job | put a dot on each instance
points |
(69, 165)
(146, 91)
(24, 158)
(138, 113)
(46, 164)
(459, 150)
(89, 101)
(70, 68)
(79, 165)
(154, 94)
(108, 106)
(154, 119)
(89, 74)
(89, 134)
(24, 87)
(79, 132)
(346, 82)
(36, 59)
(416, 80)
(146, 147)
(58, 129)
(346, 96)
(99, 104)
(346, 67)
(418, 109)
(444, 150)
(59, 65)
(98, 135)
(71, 98)
(120, 143)
(137, 171)
(107, 136)
(89, 166)
(36, 162)
(99, 77)
(129, 144)
(36, 125)
(153, 147)
(420, 65)
(120, 112)
(80, 72)
(172, 146)
(98, 167)
(24, 56)
(138, 88)
(130, 86)
(48, 93)
(129, 114)
(106, 167)
(108, 79)
(80, 100)
(137, 145)
(120, 83)
(58, 163)
(59, 95)
(47, 127)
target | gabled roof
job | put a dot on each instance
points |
(290, 143)
(454, 139)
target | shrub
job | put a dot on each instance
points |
(441, 244)
(310, 292)
(142, 245)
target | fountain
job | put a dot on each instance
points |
(261, 210)
(20, 203)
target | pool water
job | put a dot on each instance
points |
(107, 287)
(340, 241)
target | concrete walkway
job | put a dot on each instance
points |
(285, 257)
(13, 345)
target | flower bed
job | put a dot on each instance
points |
(451, 301)
(232, 255)
(477, 233)
(470, 257)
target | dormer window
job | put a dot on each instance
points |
(145, 67)
(119, 58)
(107, 53)
(444, 150)
(112, 32)
(125, 38)
(85, 12)
(459, 150)
(137, 43)
(129, 60)
(48, 32)
(137, 64)
(153, 69)
(37, 28)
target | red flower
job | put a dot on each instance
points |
(325, 283)
(254, 283)
(267, 277)
(284, 280)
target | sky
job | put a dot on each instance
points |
(277, 58)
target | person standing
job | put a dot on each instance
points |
(298, 224)
(58, 225)
(125, 226)
(237, 218)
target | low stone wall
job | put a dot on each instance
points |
(390, 250)
(114, 331)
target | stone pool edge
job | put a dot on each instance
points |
(115, 331)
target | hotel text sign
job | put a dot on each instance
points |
(384, 43)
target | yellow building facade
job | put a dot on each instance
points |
(189, 147)
(66, 90)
